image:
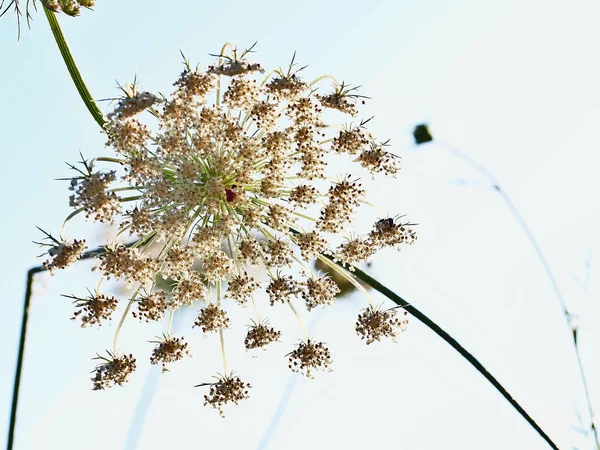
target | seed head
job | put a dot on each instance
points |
(309, 356)
(168, 350)
(228, 171)
(282, 288)
(241, 287)
(260, 335)
(112, 370)
(227, 389)
(93, 309)
(64, 254)
(152, 306)
(211, 319)
(374, 324)
(319, 292)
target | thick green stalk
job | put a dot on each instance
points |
(73, 70)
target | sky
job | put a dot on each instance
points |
(513, 84)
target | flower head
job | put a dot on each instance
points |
(319, 291)
(152, 306)
(93, 309)
(227, 389)
(309, 356)
(260, 335)
(63, 253)
(169, 349)
(375, 323)
(113, 370)
(212, 318)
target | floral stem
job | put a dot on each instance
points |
(299, 319)
(120, 325)
(348, 276)
(223, 352)
(73, 70)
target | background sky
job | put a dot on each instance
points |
(514, 84)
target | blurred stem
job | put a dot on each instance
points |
(17, 383)
(545, 264)
(21, 353)
(85, 95)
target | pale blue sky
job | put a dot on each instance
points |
(514, 84)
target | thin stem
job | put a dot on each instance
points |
(545, 264)
(223, 352)
(322, 77)
(107, 159)
(299, 319)
(123, 317)
(170, 322)
(348, 276)
(69, 217)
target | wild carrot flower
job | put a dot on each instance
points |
(222, 174)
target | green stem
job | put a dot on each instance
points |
(73, 70)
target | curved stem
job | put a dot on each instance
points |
(454, 344)
(545, 264)
(69, 217)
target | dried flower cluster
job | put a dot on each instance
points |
(93, 309)
(223, 174)
(227, 389)
(260, 335)
(309, 356)
(113, 370)
(374, 324)
(169, 349)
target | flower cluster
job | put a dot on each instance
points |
(62, 253)
(309, 356)
(260, 335)
(69, 7)
(112, 370)
(227, 389)
(169, 349)
(225, 173)
(374, 324)
(93, 309)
